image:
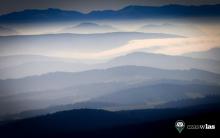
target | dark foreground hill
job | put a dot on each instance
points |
(100, 123)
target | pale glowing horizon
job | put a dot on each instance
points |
(167, 46)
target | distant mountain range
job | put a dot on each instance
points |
(92, 104)
(87, 28)
(164, 62)
(29, 65)
(60, 88)
(151, 95)
(58, 80)
(130, 12)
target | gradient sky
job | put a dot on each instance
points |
(7, 6)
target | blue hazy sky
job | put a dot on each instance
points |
(7, 6)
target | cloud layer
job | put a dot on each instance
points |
(169, 46)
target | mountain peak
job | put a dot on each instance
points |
(87, 24)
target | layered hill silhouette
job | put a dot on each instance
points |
(130, 12)
(165, 61)
(60, 88)
(27, 65)
(64, 79)
(150, 95)
(100, 123)
(93, 104)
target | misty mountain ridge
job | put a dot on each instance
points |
(114, 73)
(23, 66)
(89, 27)
(94, 93)
(129, 12)
(92, 104)
(168, 61)
(150, 95)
